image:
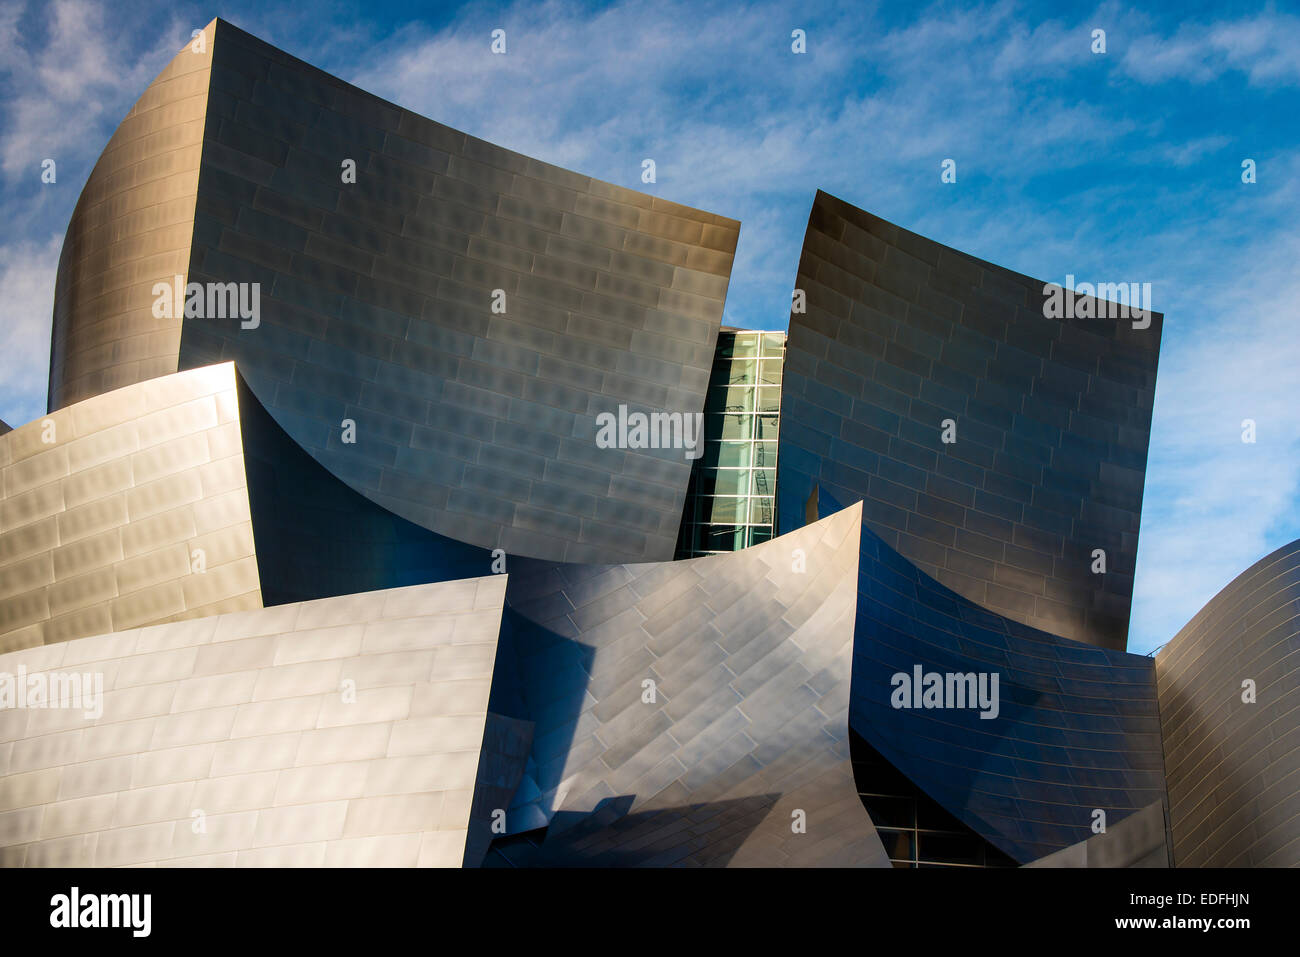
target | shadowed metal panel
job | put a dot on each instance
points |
(126, 509)
(131, 228)
(750, 656)
(316, 537)
(1140, 840)
(241, 717)
(1052, 419)
(1234, 765)
(916, 830)
(101, 523)
(1077, 728)
(377, 306)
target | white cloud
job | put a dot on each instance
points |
(732, 117)
(62, 99)
(1214, 505)
(80, 82)
(27, 272)
(1266, 48)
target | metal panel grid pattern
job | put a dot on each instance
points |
(1233, 766)
(243, 718)
(131, 228)
(100, 525)
(316, 537)
(750, 656)
(377, 307)
(731, 500)
(1140, 840)
(1052, 418)
(1078, 727)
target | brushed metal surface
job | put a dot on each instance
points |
(1053, 421)
(377, 300)
(240, 721)
(750, 654)
(132, 227)
(1077, 728)
(378, 307)
(110, 507)
(1140, 840)
(1233, 764)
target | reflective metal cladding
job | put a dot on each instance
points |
(126, 509)
(687, 713)
(132, 227)
(1073, 729)
(440, 320)
(335, 529)
(997, 448)
(230, 740)
(993, 449)
(1229, 696)
(181, 497)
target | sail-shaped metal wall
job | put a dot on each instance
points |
(132, 228)
(1050, 418)
(469, 311)
(438, 322)
(688, 713)
(977, 554)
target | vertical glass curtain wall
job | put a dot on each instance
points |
(731, 501)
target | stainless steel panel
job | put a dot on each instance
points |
(1231, 771)
(230, 717)
(101, 525)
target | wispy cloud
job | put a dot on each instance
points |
(1264, 48)
(82, 79)
(27, 273)
(1215, 504)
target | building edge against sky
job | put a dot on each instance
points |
(769, 667)
(470, 310)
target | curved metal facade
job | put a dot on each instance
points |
(1140, 840)
(107, 504)
(750, 658)
(1234, 765)
(1052, 422)
(1077, 727)
(131, 228)
(471, 310)
(317, 538)
(227, 741)
(434, 340)
(378, 306)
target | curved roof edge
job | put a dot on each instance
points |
(998, 445)
(1229, 685)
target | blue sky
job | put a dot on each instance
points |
(1117, 167)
